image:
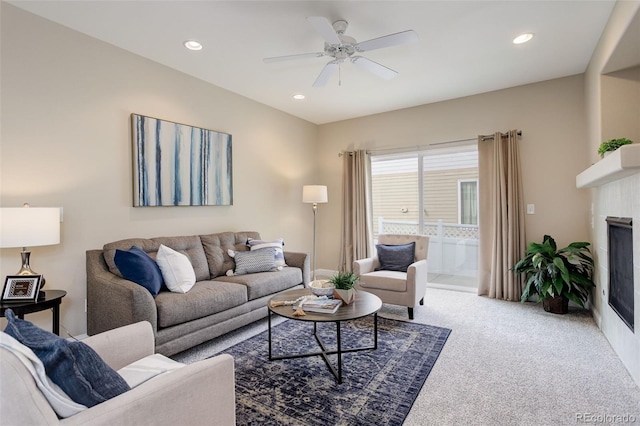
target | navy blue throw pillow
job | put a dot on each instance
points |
(74, 366)
(136, 265)
(395, 257)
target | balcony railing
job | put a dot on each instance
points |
(453, 248)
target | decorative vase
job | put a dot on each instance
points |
(556, 304)
(346, 296)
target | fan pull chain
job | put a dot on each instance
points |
(339, 75)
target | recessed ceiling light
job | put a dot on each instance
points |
(192, 45)
(523, 38)
(298, 96)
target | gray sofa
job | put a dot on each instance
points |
(216, 304)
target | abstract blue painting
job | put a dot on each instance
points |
(179, 165)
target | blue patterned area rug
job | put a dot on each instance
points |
(379, 386)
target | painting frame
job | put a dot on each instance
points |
(177, 164)
(21, 288)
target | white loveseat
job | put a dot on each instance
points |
(202, 393)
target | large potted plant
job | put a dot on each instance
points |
(345, 286)
(557, 275)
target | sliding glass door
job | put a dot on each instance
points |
(432, 192)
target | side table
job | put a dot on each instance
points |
(52, 299)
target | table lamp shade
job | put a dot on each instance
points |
(29, 226)
(314, 194)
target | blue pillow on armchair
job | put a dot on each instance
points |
(76, 368)
(136, 265)
(395, 257)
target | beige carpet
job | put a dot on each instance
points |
(506, 364)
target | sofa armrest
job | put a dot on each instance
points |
(110, 345)
(417, 275)
(114, 302)
(202, 393)
(302, 261)
(364, 266)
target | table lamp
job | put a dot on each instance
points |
(29, 227)
(314, 194)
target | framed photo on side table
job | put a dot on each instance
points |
(21, 288)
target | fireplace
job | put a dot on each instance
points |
(620, 240)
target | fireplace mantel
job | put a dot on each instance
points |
(623, 162)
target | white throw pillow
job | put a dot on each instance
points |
(177, 272)
(148, 368)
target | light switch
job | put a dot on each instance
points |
(531, 209)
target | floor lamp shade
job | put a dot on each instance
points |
(29, 227)
(314, 194)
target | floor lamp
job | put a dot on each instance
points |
(314, 194)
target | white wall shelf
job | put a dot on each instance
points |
(623, 162)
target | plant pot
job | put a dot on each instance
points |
(346, 296)
(556, 304)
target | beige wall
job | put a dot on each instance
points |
(553, 148)
(613, 109)
(66, 102)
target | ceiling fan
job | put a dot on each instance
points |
(342, 47)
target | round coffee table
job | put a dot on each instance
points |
(364, 304)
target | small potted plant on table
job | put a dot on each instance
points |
(345, 283)
(557, 275)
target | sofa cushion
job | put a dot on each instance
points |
(396, 257)
(176, 269)
(384, 280)
(250, 262)
(216, 247)
(266, 283)
(76, 368)
(59, 401)
(205, 298)
(275, 244)
(135, 265)
(190, 246)
(109, 250)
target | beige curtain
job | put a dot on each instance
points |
(501, 227)
(356, 222)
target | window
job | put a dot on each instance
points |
(468, 202)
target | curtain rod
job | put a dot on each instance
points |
(486, 138)
(423, 146)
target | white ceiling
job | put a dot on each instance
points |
(464, 47)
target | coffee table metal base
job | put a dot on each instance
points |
(325, 352)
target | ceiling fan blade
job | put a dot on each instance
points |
(325, 29)
(374, 67)
(387, 41)
(327, 72)
(289, 57)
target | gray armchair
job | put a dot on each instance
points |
(202, 393)
(397, 288)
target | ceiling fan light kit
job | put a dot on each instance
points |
(341, 47)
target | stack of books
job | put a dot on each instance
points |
(320, 305)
